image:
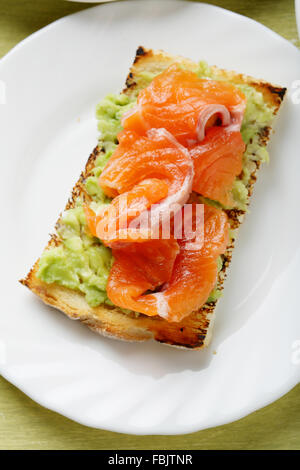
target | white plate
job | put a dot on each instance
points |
(53, 81)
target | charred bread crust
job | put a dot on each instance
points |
(194, 332)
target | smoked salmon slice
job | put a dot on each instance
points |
(183, 135)
(185, 105)
(155, 155)
(112, 224)
(140, 268)
(193, 276)
(145, 172)
(217, 162)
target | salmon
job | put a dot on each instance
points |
(112, 224)
(145, 172)
(182, 136)
(155, 155)
(186, 106)
(193, 275)
(217, 162)
(140, 268)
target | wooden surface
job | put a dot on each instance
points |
(26, 425)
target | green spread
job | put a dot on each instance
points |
(81, 261)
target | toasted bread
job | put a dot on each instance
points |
(194, 332)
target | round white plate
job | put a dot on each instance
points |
(53, 81)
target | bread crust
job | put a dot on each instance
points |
(194, 331)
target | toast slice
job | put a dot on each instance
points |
(194, 332)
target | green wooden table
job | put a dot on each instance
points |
(26, 425)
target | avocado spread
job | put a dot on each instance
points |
(81, 261)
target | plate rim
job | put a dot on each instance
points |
(132, 430)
